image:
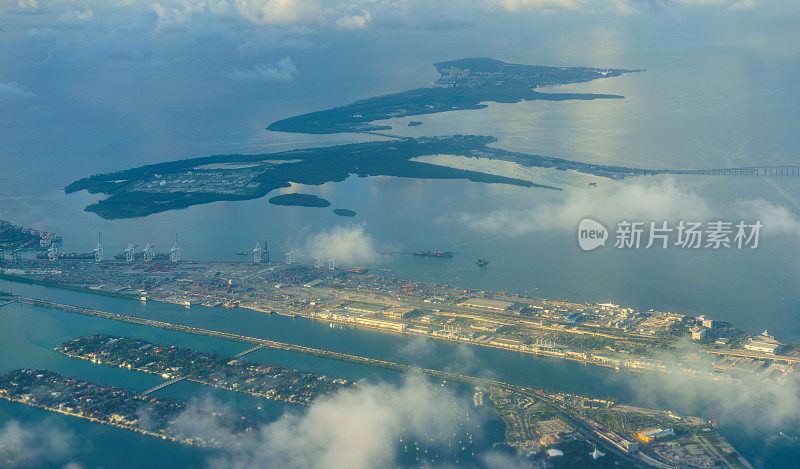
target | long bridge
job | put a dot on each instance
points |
(163, 385)
(259, 343)
(769, 171)
(251, 349)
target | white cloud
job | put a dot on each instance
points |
(34, 445)
(282, 70)
(75, 14)
(281, 11)
(611, 202)
(348, 244)
(354, 14)
(742, 5)
(358, 428)
(353, 22)
(642, 199)
(756, 405)
(13, 90)
(518, 5)
(775, 218)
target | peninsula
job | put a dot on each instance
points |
(463, 84)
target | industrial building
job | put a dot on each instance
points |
(494, 305)
(653, 434)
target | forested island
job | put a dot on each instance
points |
(344, 212)
(299, 200)
(178, 184)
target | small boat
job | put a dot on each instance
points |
(481, 262)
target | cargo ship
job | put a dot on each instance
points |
(481, 262)
(447, 254)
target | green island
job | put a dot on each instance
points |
(463, 84)
(299, 200)
(344, 212)
(178, 184)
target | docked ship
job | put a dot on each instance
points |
(447, 254)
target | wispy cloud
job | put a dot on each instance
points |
(645, 199)
(12, 90)
(36, 445)
(609, 203)
(755, 405)
(282, 70)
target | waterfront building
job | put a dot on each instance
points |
(653, 434)
(764, 343)
(698, 333)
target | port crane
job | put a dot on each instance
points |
(257, 253)
(98, 251)
(175, 252)
(130, 252)
(149, 252)
(52, 252)
(713, 420)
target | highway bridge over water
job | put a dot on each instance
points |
(769, 171)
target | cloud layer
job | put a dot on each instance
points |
(609, 203)
(643, 199)
(282, 70)
(355, 14)
(757, 406)
(358, 429)
(35, 445)
(13, 90)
